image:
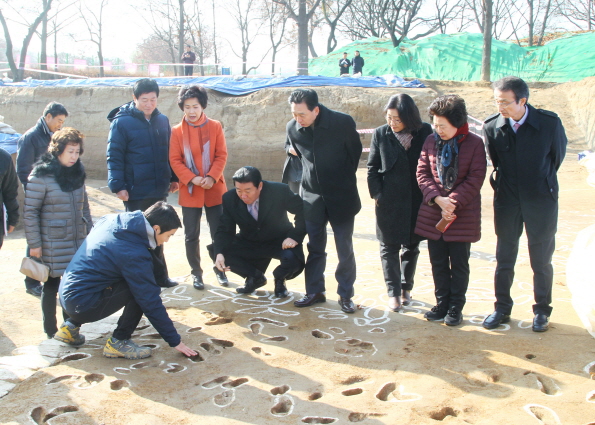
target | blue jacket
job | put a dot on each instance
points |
(116, 250)
(138, 153)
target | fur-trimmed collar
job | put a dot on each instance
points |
(68, 178)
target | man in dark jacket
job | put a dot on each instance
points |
(9, 186)
(112, 269)
(138, 155)
(358, 63)
(31, 146)
(259, 208)
(188, 57)
(527, 146)
(344, 65)
(329, 147)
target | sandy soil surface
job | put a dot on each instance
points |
(264, 361)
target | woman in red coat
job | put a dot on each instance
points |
(450, 173)
(198, 155)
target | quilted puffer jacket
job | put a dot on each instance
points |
(57, 216)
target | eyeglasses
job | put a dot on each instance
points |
(503, 104)
(393, 119)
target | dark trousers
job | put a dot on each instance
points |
(188, 70)
(48, 305)
(540, 255)
(113, 299)
(450, 268)
(316, 263)
(30, 282)
(160, 268)
(251, 259)
(398, 266)
(191, 218)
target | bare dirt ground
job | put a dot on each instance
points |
(264, 361)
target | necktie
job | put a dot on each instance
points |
(516, 126)
(253, 209)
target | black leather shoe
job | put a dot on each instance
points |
(347, 305)
(540, 323)
(280, 288)
(310, 299)
(495, 319)
(221, 278)
(169, 283)
(406, 297)
(36, 290)
(252, 284)
(197, 282)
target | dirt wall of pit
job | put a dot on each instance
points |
(254, 125)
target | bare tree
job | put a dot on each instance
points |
(298, 11)
(501, 15)
(361, 20)
(216, 56)
(17, 73)
(168, 25)
(61, 16)
(198, 33)
(446, 12)
(580, 13)
(275, 16)
(315, 23)
(486, 57)
(249, 25)
(398, 17)
(332, 11)
(535, 17)
(93, 19)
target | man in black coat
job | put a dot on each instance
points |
(358, 63)
(344, 65)
(259, 208)
(30, 147)
(329, 147)
(9, 186)
(527, 147)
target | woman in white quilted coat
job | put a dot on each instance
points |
(57, 216)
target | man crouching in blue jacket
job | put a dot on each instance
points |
(112, 269)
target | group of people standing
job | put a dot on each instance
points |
(425, 184)
(357, 62)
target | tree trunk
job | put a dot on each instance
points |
(215, 41)
(531, 22)
(487, 41)
(55, 48)
(43, 56)
(302, 24)
(181, 34)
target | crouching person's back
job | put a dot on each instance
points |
(115, 269)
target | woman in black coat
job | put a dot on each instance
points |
(392, 165)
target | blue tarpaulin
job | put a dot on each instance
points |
(231, 85)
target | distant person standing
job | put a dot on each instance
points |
(9, 186)
(344, 65)
(358, 63)
(188, 58)
(527, 147)
(138, 169)
(31, 146)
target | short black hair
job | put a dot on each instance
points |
(515, 85)
(344, 53)
(189, 92)
(407, 109)
(307, 96)
(450, 106)
(145, 85)
(163, 215)
(55, 109)
(247, 174)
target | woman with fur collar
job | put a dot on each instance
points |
(57, 215)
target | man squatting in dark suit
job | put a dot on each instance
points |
(527, 146)
(329, 147)
(259, 208)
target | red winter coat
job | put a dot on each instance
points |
(466, 191)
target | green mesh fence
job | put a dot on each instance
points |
(458, 57)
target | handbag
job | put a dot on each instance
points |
(35, 268)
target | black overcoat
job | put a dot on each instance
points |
(336, 151)
(392, 182)
(272, 227)
(527, 163)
